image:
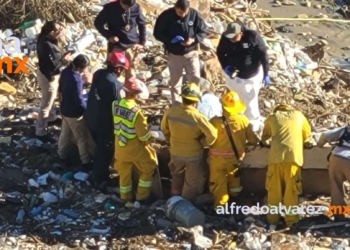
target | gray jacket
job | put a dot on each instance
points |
(333, 136)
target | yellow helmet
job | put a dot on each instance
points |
(232, 103)
(191, 92)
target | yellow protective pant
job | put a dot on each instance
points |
(222, 179)
(283, 184)
(146, 168)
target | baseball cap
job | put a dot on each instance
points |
(232, 30)
(118, 59)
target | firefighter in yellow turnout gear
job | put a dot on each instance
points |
(186, 129)
(131, 144)
(290, 133)
(222, 160)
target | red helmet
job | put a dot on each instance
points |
(132, 85)
(118, 59)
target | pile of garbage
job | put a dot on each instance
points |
(15, 12)
(302, 75)
(56, 209)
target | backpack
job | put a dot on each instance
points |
(344, 141)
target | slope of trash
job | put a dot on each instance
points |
(46, 206)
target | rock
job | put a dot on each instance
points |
(7, 89)
(288, 3)
(308, 4)
(324, 42)
(302, 16)
(318, 6)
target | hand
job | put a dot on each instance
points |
(87, 77)
(267, 80)
(188, 42)
(67, 55)
(228, 70)
(138, 47)
(51, 79)
(177, 39)
(113, 39)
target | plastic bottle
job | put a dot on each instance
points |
(253, 244)
(71, 213)
(35, 211)
(343, 63)
(20, 216)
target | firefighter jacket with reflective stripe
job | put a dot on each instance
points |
(125, 114)
(288, 130)
(185, 128)
(241, 131)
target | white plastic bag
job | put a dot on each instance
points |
(210, 106)
(145, 93)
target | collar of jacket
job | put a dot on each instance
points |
(51, 39)
(132, 8)
(283, 107)
(188, 107)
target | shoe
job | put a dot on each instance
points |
(87, 167)
(46, 139)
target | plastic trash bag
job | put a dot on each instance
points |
(210, 106)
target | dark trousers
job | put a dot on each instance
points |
(103, 154)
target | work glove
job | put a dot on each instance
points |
(228, 70)
(267, 80)
(177, 39)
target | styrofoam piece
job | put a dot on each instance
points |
(145, 93)
(97, 8)
(8, 32)
(31, 32)
(84, 41)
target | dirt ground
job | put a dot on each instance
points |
(337, 34)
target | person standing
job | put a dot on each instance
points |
(123, 18)
(180, 29)
(50, 61)
(72, 107)
(105, 89)
(222, 160)
(186, 129)
(243, 51)
(131, 144)
(339, 164)
(290, 133)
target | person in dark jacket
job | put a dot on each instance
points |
(244, 52)
(180, 29)
(124, 18)
(50, 61)
(73, 107)
(105, 89)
